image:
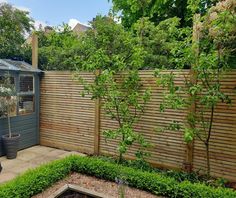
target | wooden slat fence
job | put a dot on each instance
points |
(66, 118)
(223, 139)
(164, 152)
(67, 121)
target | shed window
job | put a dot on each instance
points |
(26, 94)
(26, 104)
(26, 84)
(3, 104)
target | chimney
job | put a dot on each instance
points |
(35, 51)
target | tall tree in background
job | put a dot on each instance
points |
(15, 24)
(107, 45)
(162, 44)
(57, 48)
(159, 10)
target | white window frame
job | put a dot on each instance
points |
(28, 93)
(21, 93)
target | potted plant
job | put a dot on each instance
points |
(8, 99)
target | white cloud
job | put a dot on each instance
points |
(18, 7)
(72, 23)
(3, 1)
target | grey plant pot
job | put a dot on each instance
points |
(11, 145)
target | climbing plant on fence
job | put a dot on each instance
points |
(108, 49)
(210, 55)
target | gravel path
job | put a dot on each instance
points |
(110, 189)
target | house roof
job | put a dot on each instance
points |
(79, 28)
(13, 65)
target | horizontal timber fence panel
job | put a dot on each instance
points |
(67, 119)
(223, 138)
(70, 121)
(168, 150)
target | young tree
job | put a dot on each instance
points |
(210, 55)
(108, 48)
(14, 25)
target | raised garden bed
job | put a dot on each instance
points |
(90, 186)
(37, 180)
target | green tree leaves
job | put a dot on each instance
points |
(210, 54)
(57, 49)
(111, 50)
(115, 47)
(159, 10)
(14, 25)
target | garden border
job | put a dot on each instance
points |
(35, 181)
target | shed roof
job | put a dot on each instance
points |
(15, 65)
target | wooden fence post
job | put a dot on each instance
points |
(97, 121)
(34, 50)
(188, 164)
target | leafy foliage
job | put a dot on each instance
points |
(8, 99)
(107, 47)
(37, 180)
(193, 177)
(14, 25)
(210, 56)
(57, 49)
(159, 10)
(162, 44)
(115, 48)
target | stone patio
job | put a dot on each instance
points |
(30, 158)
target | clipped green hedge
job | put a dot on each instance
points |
(35, 181)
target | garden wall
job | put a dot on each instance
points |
(68, 121)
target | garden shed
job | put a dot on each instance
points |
(25, 117)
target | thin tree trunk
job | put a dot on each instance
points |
(9, 123)
(208, 160)
(121, 154)
(208, 140)
(120, 157)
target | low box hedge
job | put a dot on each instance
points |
(35, 181)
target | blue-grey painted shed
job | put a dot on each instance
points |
(25, 118)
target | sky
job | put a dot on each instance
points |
(55, 12)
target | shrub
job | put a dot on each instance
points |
(35, 181)
(149, 181)
(178, 175)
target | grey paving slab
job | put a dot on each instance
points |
(71, 153)
(56, 153)
(26, 155)
(8, 164)
(42, 150)
(6, 176)
(30, 158)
